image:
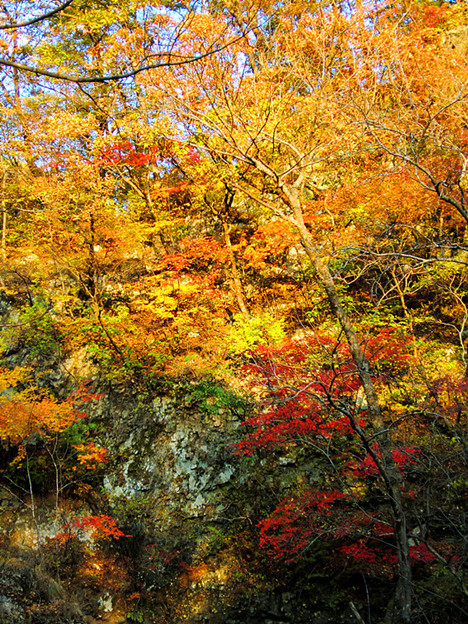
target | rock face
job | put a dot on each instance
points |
(176, 454)
(170, 481)
(187, 504)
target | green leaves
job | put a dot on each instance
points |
(263, 329)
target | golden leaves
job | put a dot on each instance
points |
(27, 412)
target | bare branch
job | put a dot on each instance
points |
(39, 18)
(114, 77)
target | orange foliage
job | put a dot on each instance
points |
(269, 242)
(28, 411)
(91, 455)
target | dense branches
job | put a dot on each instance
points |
(271, 194)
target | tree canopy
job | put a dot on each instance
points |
(270, 195)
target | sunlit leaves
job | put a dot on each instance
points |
(25, 412)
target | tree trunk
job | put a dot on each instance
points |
(236, 282)
(400, 607)
(4, 220)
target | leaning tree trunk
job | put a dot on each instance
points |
(400, 606)
(236, 282)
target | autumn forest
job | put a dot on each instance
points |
(234, 311)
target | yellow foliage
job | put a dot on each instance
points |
(11, 378)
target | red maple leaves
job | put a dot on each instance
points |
(94, 527)
(312, 390)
